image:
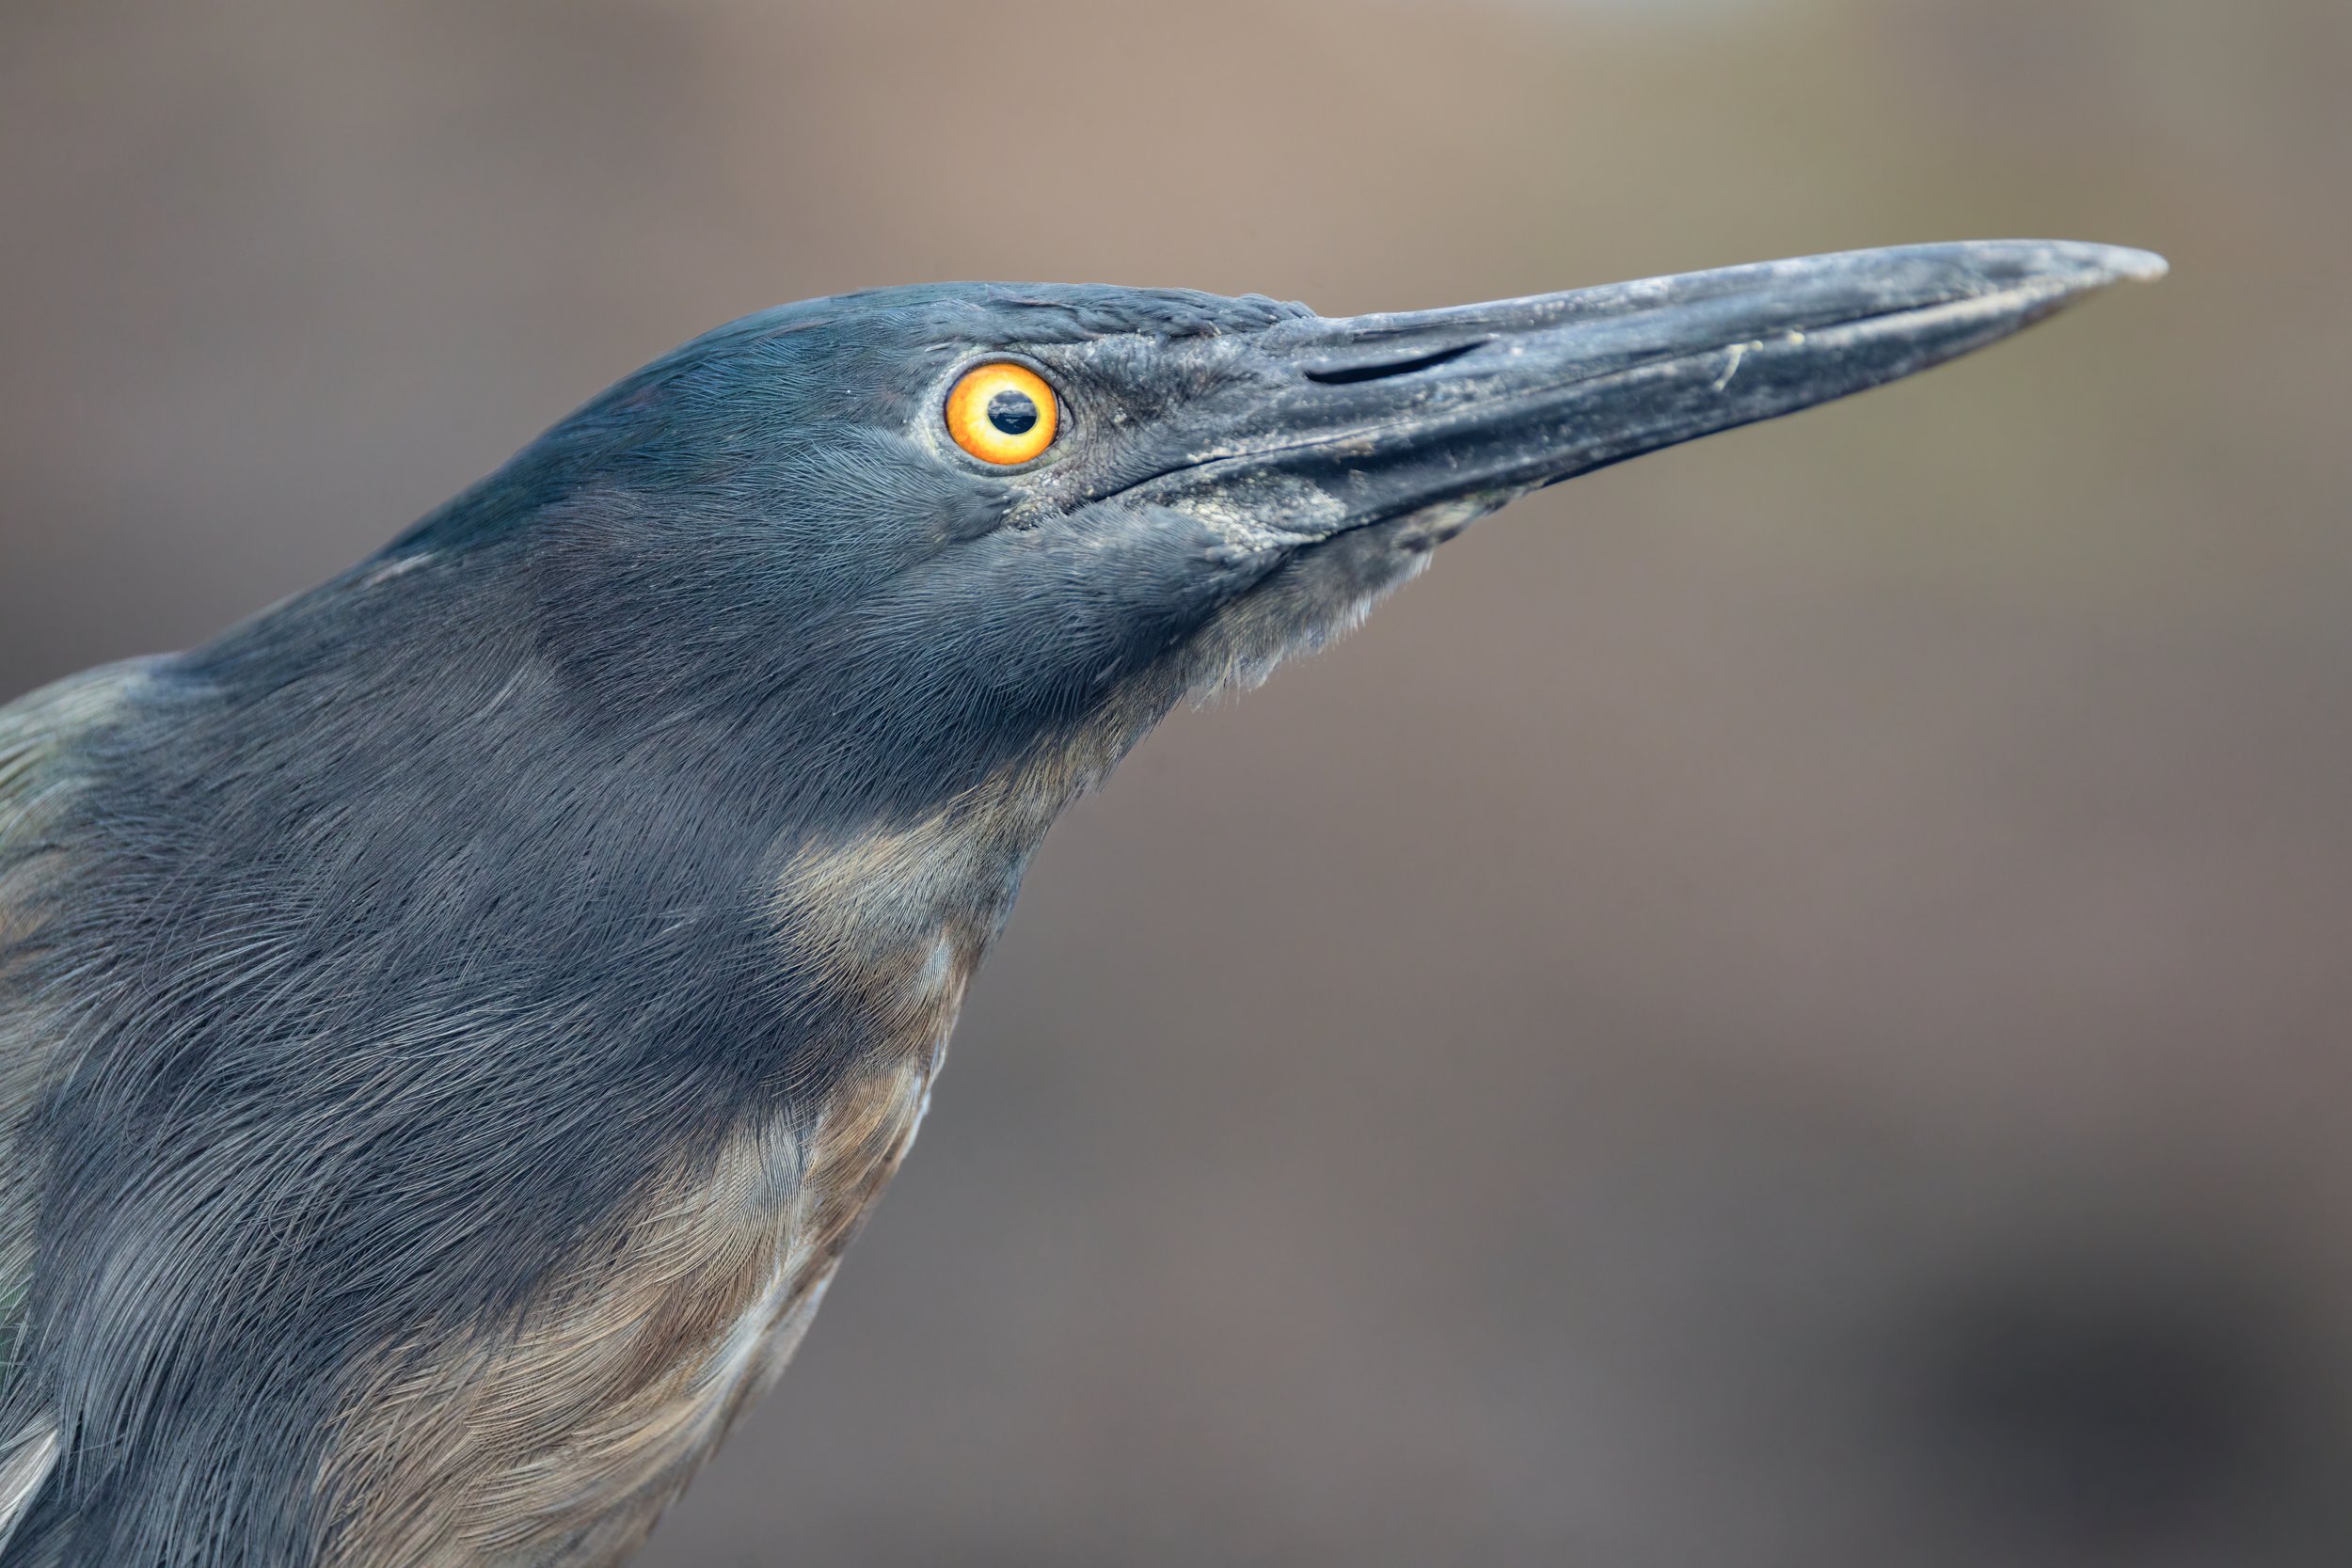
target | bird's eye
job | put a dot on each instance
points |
(1003, 413)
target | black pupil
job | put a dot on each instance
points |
(1012, 412)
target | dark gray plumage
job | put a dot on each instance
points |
(451, 1024)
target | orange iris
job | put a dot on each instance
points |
(1003, 413)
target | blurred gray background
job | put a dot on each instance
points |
(1789, 1005)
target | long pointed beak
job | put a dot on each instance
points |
(1368, 418)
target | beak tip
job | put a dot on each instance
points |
(2056, 272)
(2136, 266)
(2098, 266)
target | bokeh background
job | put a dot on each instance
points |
(1791, 1004)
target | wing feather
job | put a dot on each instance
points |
(41, 771)
(30, 1458)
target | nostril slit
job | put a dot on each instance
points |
(1395, 367)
